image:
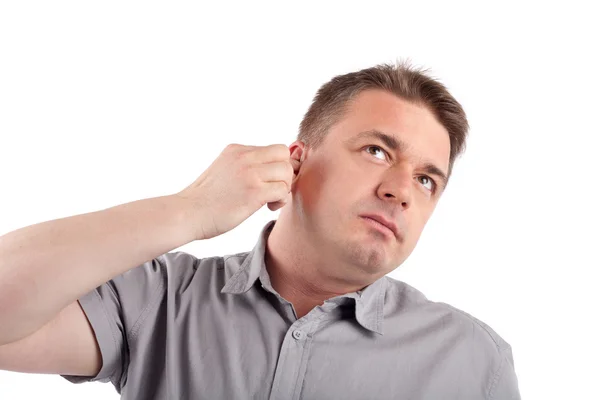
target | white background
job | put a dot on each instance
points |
(103, 103)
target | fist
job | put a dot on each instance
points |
(238, 183)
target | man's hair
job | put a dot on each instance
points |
(403, 80)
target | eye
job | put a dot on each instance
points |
(377, 147)
(431, 182)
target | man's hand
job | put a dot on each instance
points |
(238, 183)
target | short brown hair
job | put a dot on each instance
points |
(403, 80)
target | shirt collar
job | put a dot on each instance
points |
(368, 302)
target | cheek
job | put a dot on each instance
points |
(326, 190)
(310, 189)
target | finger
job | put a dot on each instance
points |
(270, 154)
(277, 171)
(276, 194)
(276, 205)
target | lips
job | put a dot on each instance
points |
(383, 221)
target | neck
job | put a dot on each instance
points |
(298, 271)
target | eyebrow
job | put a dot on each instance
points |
(398, 145)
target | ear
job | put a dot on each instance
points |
(298, 152)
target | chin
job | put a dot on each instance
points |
(371, 258)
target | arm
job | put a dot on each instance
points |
(48, 266)
(48, 269)
(65, 345)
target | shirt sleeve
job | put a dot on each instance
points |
(506, 385)
(116, 310)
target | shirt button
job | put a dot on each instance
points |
(298, 334)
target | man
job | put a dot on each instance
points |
(309, 313)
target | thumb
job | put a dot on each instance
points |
(276, 205)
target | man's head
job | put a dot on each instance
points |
(378, 142)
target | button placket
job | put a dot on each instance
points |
(293, 358)
(291, 361)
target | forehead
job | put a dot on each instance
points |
(413, 124)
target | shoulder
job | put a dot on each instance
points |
(181, 258)
(176, 263)
(179, 267)
(411, 300)
(491, 336)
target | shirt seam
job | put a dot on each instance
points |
(499, 371)
(277, 382)
(143, 315)
(499, 346)
(112, 334)
(380, 305)
(306, 353)
(227, 257)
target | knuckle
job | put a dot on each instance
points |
(232, 147)
(285, 151)
(281, 150)
(243, 155)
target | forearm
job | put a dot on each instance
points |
(45, 267)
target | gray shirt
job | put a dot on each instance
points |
(178, 327)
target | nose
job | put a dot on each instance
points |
(397, 187)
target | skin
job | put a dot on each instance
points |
(320, 247)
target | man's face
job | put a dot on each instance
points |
(355, 173)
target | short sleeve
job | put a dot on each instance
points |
(116, 310)
(506, 385)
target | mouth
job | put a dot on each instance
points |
(381, 224)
